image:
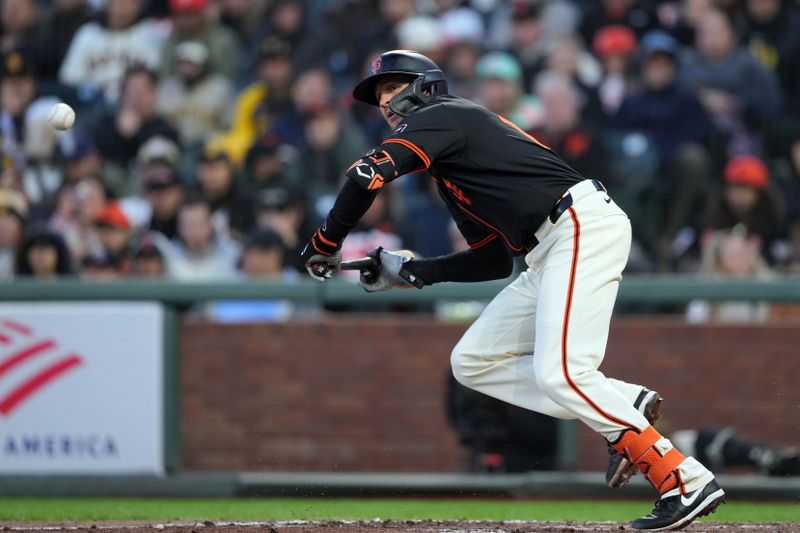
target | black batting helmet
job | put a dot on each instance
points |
(401, 62)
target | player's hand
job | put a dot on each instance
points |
(390, 273)
(321, 257)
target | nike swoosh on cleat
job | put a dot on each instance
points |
(689, 501)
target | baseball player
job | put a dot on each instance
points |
(540, 342)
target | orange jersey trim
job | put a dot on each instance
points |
(411, 146)
(523, 132)
(497, 231)
(323, 239)
(483, 241)
(314, 244)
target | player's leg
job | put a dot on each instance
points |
(583, 257)
(495, 355)
(581, 268)
(620, 469)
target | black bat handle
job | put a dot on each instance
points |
(359, 264)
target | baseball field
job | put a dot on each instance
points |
(359, 515)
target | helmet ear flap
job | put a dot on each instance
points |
(411, 98)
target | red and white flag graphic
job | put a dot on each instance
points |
(29, 363)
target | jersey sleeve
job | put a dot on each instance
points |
(427, 135)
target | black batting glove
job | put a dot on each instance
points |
(321, 256)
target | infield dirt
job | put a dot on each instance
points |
(375, 526)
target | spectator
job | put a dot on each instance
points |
(147, 260)
(732, 254)
(529, 27)
(527, 42)
(343, 53)
(120, 133)
(18, 19)
(632, 13)
(194, 99)
(330, 144)
(287, 22)
(55, 33)
(740, 95)
(615, 46)
(679, 18)
(75, 217)
(198, 253)
(788, 182)
(745, 201)
(43, 254)
(423, 34)
(243, 17)
(101, 267)
(114, 231)
(263, 258)
(101, 52)
(393, 12)
(19, 92)
(267, 162)
(284, 211)
(501, 91)
(13, 210)
(679, 127)
(192, 21)
(569, 57)
(232, 209)
(157, 152)
(772, 34)
(463, 32)
(563, 129)
(259, 103)
(80, 156)
(312, 92)
(164, 193)
(27, 138)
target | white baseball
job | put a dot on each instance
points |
(62, 117)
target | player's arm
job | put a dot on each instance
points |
(490, 261)
(321, 253)
(402, 153)
(487, 258)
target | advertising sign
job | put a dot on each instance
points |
(81, 388)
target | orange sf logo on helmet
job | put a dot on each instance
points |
(376, 65)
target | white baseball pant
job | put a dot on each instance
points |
(540, 342)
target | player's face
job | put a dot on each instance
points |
(385, 90)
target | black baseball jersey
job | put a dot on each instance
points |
(497, 181)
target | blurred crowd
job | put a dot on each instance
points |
(211, 135)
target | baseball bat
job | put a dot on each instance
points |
(358, 264)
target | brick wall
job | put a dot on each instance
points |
(366, 393)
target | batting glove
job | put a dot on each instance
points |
(390, 272)
(321, 257)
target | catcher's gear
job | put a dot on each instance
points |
(429, 81)
(321, 256)
(390, 272)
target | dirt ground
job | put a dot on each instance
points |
(375, 526)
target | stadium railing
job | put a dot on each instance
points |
(634, 289)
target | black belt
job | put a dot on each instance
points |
(565, 202)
